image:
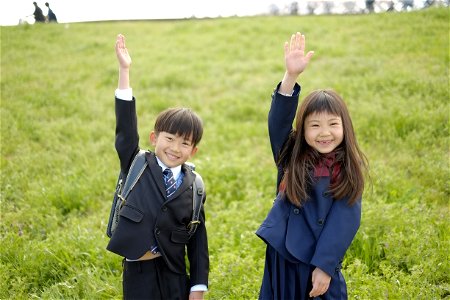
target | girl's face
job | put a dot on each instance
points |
(323, 131)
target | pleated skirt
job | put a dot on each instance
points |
(285, 280)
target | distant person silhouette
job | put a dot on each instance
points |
(51, 17)
(391, 6)
(407, 4)
(38, 15)
(370, 5)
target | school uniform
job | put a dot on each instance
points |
(150, 218)
(299, 239)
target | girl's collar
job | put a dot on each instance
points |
(327, 163)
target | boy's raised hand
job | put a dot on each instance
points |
(123, 56)
(294, 55)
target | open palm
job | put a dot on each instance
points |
(122, 52)
(294, 54)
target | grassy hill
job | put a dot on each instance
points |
(59, 166)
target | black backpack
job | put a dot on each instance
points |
(126, 183)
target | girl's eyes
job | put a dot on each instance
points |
(332, 124)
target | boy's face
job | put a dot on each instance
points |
(173, 150)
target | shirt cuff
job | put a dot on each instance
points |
(286, 95)
(126, 94)
(295, 91)
(199, 288)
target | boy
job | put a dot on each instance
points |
(151, 234)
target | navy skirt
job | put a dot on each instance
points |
(286, 280)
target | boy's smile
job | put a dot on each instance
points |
(173, 150)
(324, 131)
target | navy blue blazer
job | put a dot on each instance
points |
(321, 230)
(150, 216)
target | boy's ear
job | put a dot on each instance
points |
(194, 150)
(153, 137)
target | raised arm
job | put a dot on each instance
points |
(124, 60)
(127, 137)
(295, 60)
(285, 99)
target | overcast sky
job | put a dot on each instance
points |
(95, 10)
(69, 11)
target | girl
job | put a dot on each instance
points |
(317, 211)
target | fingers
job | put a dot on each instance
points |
(309, 55)
(301, 41)
(320, 281)
(292, 43)
(297, 42)
(120, 41)
(318, 289)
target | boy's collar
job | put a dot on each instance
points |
(176, 170)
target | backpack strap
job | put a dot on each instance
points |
(123, 189)
(134, 173)
(198, 195)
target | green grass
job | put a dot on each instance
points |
(59, 166)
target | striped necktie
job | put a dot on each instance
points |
(171, 185)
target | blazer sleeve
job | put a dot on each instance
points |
(281, 115)
(197, 251)
(127, 138)
(340, 228)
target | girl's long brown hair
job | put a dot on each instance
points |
(298, 159)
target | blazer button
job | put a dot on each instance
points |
(164, 208)
(296, 211)
(320, 222)
(157, 232)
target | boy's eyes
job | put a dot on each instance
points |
(171, 138)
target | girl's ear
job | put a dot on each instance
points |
(153, 138)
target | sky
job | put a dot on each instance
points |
(97, 10)
(68, 11)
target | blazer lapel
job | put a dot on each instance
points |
(156, 172)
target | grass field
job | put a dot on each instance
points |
(59, 165)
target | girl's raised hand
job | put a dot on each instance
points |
(123, 56)
(294, 55)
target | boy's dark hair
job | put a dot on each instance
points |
(180, 121)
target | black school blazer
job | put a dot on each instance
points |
(148, 214)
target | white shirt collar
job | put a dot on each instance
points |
(176, 171)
